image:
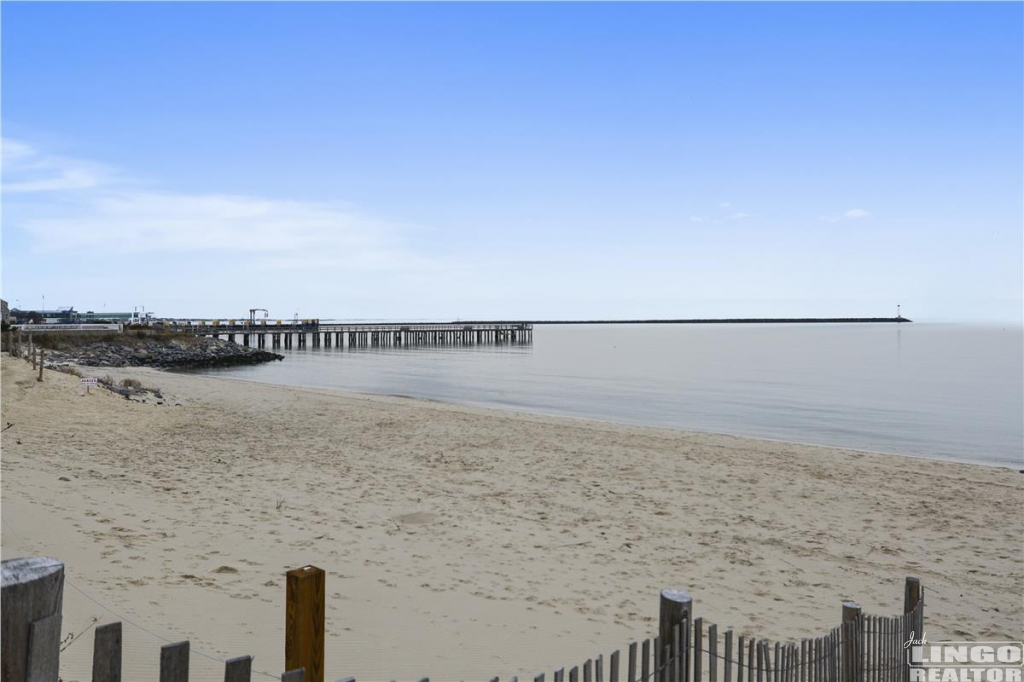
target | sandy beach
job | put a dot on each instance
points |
(463, 543)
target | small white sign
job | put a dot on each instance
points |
(90, 381)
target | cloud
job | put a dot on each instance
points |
(26, 169)
(740, 215)
(851, 214)
(696, 219)
(725, 204)
(99, 214)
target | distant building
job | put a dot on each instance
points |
(99, 317)
(59, 316)
(69, 315)
(5, 311)
(123, 318)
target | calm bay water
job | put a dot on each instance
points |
(933, 390)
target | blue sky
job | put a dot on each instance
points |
(515, 160)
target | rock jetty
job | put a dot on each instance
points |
(174, 353)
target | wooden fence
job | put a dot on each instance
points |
(861, 648)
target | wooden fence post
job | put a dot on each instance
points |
(32, 593)
(851, 633)
(304, 622)
(913, 602)
(238, 669)
(42, 357)
(174, 662)
(676, 607)
(911, 597)
(106, 653)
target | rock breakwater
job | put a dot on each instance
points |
(174, 353)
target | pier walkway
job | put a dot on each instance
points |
(303, 333)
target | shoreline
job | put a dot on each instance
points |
(447, 528)
(498, 410)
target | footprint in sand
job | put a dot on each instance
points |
(416, 519)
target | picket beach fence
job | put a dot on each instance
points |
(861, 648)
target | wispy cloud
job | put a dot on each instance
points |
(26, 169)
(850, 214)
(98, 212)
(718, 218)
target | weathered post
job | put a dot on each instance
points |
(174, 662)
(911, 594)
(32, 352)
(106, 653)
(304, 622)
(32, 593)
(42, 358)
(913, 602)
(851, 667)
(238, 669)
(675, 609)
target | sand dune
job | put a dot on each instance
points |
(463, 543)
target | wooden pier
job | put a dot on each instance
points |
(317, 334)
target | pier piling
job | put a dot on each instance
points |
(303, 333)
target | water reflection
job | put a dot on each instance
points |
(938, 391)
